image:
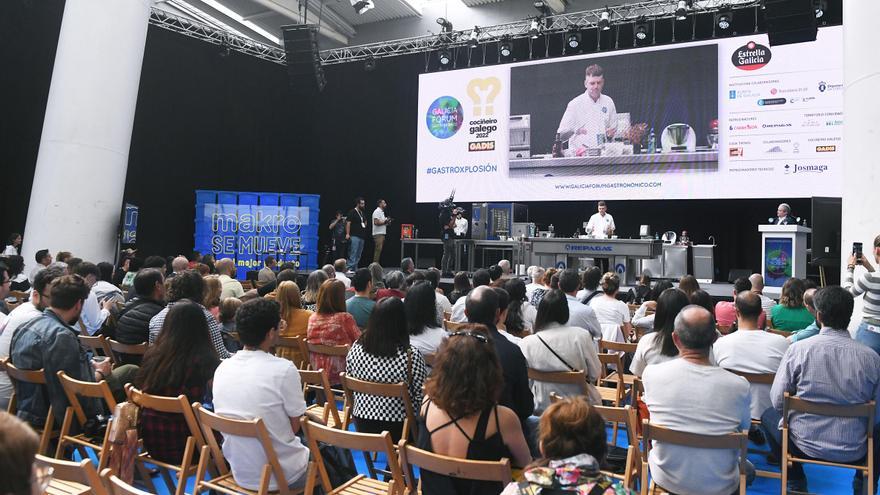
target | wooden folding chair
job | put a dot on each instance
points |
(36, 378)
(72, 478)
(289, 347)
(447, 315)
(759, 379)
(614, 394)
(451, 326)
(733, 441)
(329, 350)
(324, 409)
(194, 442)
(429, 358)
(627, 416)
(832, 410)
(578, 378)
(778, 332)
(618, 348)
(224, 482)
(20, 298)
(118, 487)
(365, 442)
(453, 467)
(119, 351)
(74, 389)
(97, 344)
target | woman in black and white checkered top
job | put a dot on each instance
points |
(383, 354)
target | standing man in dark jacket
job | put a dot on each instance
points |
(49, 342)
(133, 326)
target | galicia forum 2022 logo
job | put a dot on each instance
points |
(445, 117)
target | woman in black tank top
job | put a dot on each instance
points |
(464, 386)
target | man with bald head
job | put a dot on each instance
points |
(751, 350)
(481, 307)
(178, 264)
(690, 394)
(231, 287)
(757, 281)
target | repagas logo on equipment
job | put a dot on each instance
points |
(445, 117)
(751, 56)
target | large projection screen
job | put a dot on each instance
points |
(731, 118)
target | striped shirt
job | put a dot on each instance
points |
(213, 326)
(869, 285)
(830, 368)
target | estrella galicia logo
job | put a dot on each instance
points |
(822, 86)
(751, 56)
(445, 117)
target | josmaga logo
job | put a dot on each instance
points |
(444, 117)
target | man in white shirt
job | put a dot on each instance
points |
(590, 118)
(231, 287)
(601, 224)
(19, 316)
(751, 350)
(255, 384)
(380, 222)
(757, 281)
(691, 395)
(43, 259)
(579, 315)
(339, 267)
(461, 225)
(94, 313)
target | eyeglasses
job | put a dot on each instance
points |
(42, 477)
(482, 338)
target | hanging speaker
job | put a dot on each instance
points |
(303, 59)
(790, 21)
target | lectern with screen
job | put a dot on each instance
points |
(783, 254)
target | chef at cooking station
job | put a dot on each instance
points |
(590, 118)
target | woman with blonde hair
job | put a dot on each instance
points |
(211, 299)
(331, 325)
(573, 445)
(309, 299)
(297, 318)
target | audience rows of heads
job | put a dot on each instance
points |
(463, 353)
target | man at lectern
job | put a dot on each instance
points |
(783, 215)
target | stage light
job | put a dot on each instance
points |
(681, 11)
(534, 29)
(723, 21)
(819, 6)
(574, 40)
(605, 20)
(505, 49)
(473, 40)
(370, 64)
(444, 57)
(445, 25)
(641, 32)
(361, 6)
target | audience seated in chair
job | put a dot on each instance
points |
(482, 308)
(725, 311)
(791, 314)
(610, 310)
(829, 368)
(689, 394)
(181, 362)
(535, 274)
(658, 346)
(383, 354)
(361, 304)
(19, 475)
(579, 315)
(557, 347)
(573, 448)
(425, 332)
(289, 300)
(643, 318)
(313, 286)
(49, 342)
(189, 285)
(226, 270)
(133, 323)
(461, 285)
(331, 325)
(481, 277)
(95, 312)
(20, 316)
(395, 286)
(813, 328)
(255, 384)
(463, 417)
(757, 281)
(520, 320)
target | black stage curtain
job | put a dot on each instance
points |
(209, 122)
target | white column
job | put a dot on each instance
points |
(861, 132)
(80, 174)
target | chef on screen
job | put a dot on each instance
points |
(590, 118)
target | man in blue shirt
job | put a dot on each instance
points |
(361, 306)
